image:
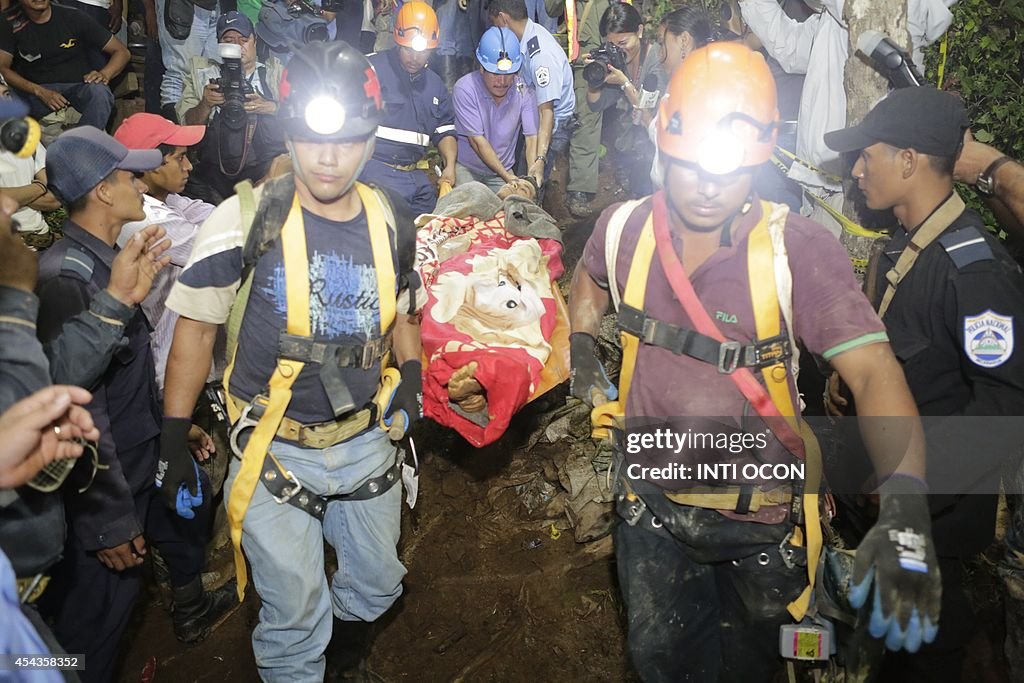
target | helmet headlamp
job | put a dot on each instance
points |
(325, 115)
(418, 43)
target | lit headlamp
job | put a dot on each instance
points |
(504, 63)
(325, 115)
(418, 43)
(724, 151)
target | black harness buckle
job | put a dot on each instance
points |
(729, 355)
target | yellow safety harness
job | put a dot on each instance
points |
(764, 293)
(296, 267)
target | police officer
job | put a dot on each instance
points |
(547, 70)
(98, 582)
(950, 297)
(707, 579)
(326, 301)
(417, 113)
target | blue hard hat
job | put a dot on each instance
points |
(499, 52)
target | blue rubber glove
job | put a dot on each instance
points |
(587, 379)
(408, 397)
(897, 557)
(187, 502)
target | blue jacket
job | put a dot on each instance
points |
(125, 407)
(417, 111)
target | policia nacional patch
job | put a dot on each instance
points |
(988, 339)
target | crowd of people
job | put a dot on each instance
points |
(250, 243)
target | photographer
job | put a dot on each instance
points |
(237, 100)
(631, 80)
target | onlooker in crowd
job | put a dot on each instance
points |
(492, 107)
(106, 13)
(45, 56)
(624, 93)
(949, 294)
(242, 136)
(179, 216)
(818, 47)
(33, 433)
(680, 32)
(585, 144)
(417, 112)
(454, 55)
(547, 70)
(24, 180)
(97, 583)
(186, 29)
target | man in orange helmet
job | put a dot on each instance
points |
(417, 113)
(716, 548)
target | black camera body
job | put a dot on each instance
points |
(332, 5)
(604, 56)
(233, 86)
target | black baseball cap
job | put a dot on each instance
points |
(928, 120)
(234, 21)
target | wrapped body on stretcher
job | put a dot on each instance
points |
(494, 328)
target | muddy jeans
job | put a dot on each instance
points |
(285, 548)
(704, 621)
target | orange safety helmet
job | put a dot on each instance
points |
(416, 26)
(720, 111)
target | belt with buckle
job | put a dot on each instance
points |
(314, 435)
(31, 587)
(286, 488)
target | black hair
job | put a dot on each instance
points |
(620, 18)
(514, 8)
(943, 165)
(166, 149)
(690, 20)
(80, 203)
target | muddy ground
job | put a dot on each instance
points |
(494, 592)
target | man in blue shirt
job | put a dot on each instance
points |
(492, 107)
(417, 112)
(546, 68)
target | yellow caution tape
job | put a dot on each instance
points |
(943, 53)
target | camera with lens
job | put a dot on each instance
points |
(607, 55)
(232, 85)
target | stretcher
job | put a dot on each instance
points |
(495, 327)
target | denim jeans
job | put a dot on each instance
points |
(456, 35)
(535, 10)
(178, 54)
(94, 102)
(284, 546)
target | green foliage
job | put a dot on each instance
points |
(985, 65)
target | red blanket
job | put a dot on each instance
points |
(490, 301)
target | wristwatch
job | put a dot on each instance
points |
(986, 184)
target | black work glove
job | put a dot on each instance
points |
(406, 404)
(898, 556)
(176, 467)
(587, 379)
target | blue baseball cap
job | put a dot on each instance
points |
(234, 21)
(79, 159)
(12, 108)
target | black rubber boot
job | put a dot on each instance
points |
(195, 612)
(347, 653)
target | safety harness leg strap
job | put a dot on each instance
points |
(296, 273)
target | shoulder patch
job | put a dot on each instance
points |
(533, 46)
(966, 246)
(77, 263)
(988, 339)
(542, 76)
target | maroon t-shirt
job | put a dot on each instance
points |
(830, 313)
